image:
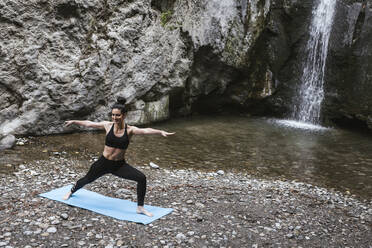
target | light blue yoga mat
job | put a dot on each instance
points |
(113, 207)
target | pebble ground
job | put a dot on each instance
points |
(211, 209)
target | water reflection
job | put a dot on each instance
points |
(331, 158)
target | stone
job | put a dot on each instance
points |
(153, 165)
(200, 205)
(123, 192)
(7, 141)
(55, 222)
(64, 216)
(290, 235)
(28, 232)
(52, 230)
(81, 243)
(180, 236)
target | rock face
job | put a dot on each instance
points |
(348, 68)
(70, 59)
(349, 83)
(67, 59)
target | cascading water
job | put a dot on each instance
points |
(311, 94)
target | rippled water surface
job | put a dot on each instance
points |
(331, 158)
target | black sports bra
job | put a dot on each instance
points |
(117, 142)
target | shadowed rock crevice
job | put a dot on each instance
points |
(68, 10)
(4, 19)
(14, 97)
(353, 123)
(162, 5)
(208, 81)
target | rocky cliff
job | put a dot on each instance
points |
(68, 59)
(348, 68)
(348, 97)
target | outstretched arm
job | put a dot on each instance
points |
(136, 130)
(87, 123)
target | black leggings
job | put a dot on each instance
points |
(118, 168)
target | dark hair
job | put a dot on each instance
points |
(120, 104)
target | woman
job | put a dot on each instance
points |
(118, 135)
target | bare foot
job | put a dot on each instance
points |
(67, 196)
(142, 210)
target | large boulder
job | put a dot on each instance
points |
(7, 141)
(67, 59)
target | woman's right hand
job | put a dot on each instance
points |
(68, 123)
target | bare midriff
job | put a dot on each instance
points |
(112, 153)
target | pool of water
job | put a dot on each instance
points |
(266, 148)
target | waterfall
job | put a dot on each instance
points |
(311, 94)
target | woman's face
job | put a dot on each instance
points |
(117, 116)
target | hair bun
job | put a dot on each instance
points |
(121, 100)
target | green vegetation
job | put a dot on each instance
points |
(165, 17)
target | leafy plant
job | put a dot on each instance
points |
(165, 17)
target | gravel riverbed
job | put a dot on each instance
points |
(211, 209)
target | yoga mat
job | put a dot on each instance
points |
(113, 207)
